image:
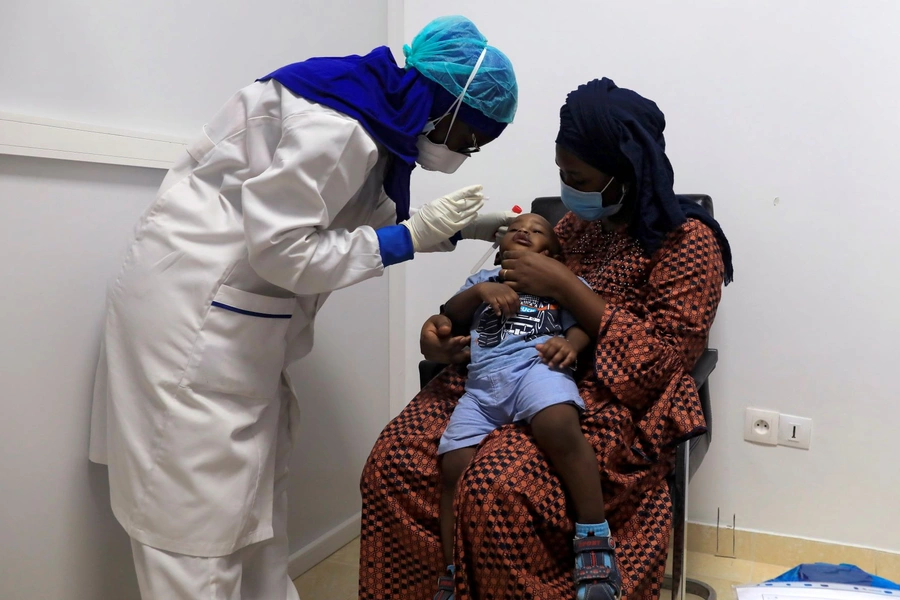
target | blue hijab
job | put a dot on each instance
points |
(620, 133)
(392, 105)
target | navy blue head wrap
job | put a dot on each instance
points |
(619, 132)
(392, 105)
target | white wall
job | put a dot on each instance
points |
(62, 234)
(765, 99)
(164, 66)
(161, 67)
(344, 404)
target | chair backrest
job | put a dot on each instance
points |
(549, 207)
(703, 200)
(552, 208)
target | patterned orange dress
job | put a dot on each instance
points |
(514, 526)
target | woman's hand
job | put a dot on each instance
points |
(438, 343)
(535, 273)
(501, 298)
(558, 353)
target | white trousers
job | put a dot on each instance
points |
(256, 572)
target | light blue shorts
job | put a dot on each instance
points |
(506, 396)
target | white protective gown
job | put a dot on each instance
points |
(273, 208)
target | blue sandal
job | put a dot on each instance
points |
(593, 579)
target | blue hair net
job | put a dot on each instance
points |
(446, 51)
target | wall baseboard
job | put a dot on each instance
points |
(767, 548)
(324, 546)
(786, 551)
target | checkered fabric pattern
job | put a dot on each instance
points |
(514, 527)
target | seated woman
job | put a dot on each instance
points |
(655, 264)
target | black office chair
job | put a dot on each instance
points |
(689, 454)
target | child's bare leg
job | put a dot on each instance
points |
(557, 431)
(453, 463)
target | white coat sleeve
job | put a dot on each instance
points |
(320, 163)
(385, 212)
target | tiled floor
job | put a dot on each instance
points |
(336, 577)
(723, 573)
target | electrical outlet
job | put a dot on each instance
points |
(761, 426)
(795, 432)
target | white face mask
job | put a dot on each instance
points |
(439, 157)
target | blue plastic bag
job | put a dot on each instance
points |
(840, 574)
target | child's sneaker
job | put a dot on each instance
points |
(596, 574)
(445, 587)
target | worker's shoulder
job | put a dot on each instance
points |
(271, 100)
(272, 103)
(308, 116)
(298, 108)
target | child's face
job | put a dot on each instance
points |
(530, 233)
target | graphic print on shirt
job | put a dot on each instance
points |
(537, 317)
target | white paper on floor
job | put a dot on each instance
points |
(811, 591)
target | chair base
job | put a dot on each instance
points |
(693, 587)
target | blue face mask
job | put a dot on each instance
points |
(589, 205)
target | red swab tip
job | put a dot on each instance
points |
(517, 209)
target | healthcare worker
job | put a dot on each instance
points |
(298, 187)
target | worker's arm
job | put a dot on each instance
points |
(485, 226)
(320, 163)
(385, 217)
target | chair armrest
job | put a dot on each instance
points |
(428, 370)
(699, 445)
(705, 365)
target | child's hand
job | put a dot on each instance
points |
(500, 297)
(558, 353)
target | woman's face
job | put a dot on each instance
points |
(577, 174)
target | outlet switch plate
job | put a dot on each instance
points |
(795, 432)
(761, 426)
